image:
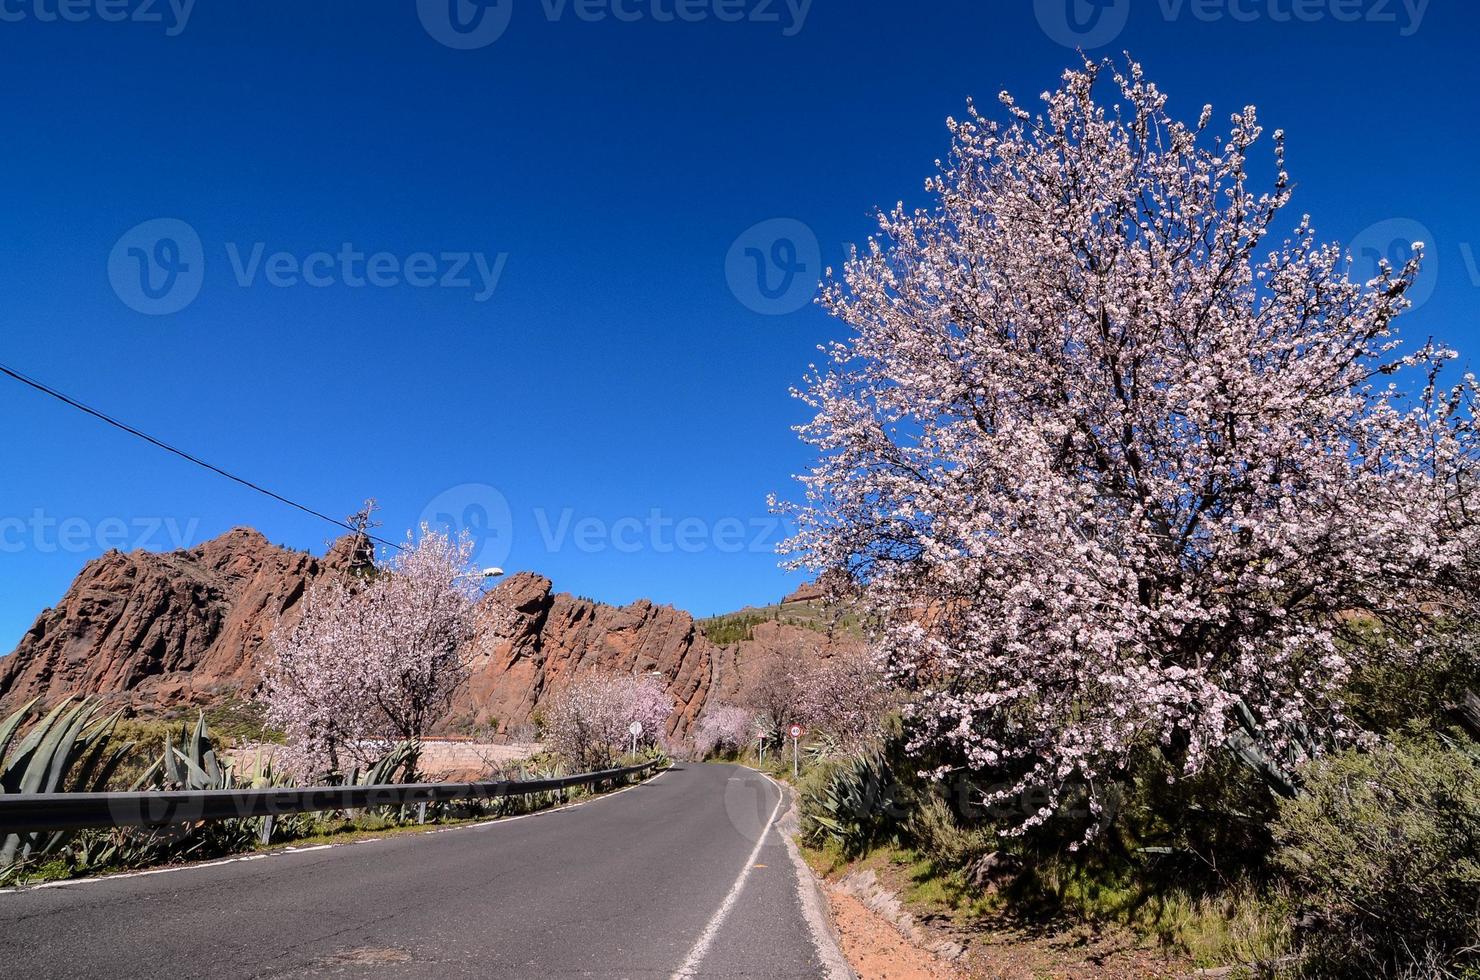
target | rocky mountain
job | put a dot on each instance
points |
(160, 632)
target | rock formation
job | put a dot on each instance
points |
(172, 629)
(160, 632)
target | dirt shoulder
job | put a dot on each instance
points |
(889, 929)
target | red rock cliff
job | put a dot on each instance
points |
(163, 631)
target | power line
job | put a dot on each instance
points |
(74, 403)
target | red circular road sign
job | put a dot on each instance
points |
(796, 731)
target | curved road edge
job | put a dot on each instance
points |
(815, 908)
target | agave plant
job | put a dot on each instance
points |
(396, 766)
(70, 749)
(190, 765)
(856, 806)
(1278, 775)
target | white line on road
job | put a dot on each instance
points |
(696, 955)
(815, 909)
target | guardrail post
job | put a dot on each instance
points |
(267, 822)
(421, 812)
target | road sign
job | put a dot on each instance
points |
(795, 731)
(635, 729)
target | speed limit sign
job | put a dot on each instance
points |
(795, 731)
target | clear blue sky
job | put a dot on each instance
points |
(617, 370)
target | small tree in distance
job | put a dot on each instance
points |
(586, 722)
(377, 661)
(724, 728)
(845, 698)
(1117, 468)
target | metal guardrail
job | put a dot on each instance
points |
(41, 812)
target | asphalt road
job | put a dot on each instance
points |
(684, 875)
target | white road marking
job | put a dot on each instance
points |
(71, 882)
(282, 852)
(814, 908)
(696, 955)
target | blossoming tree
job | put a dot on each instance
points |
(844, 699)
(1115, 462)
(587, 721)
(724, 728)
(377, 661)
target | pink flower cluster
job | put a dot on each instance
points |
(377, 660)
(587, 722)
(1115, 466)
(844, 699)
(724, 728)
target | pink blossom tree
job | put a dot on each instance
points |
(723, 728)
(378, 660)
(652, 706)
(1114, 464)
(845, 699)
(587, 722)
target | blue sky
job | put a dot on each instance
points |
(606, 398)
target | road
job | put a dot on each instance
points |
(684, 875)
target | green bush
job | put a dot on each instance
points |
(1383, 853)
(855, 803)
(938, 835)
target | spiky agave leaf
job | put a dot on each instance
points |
(66, 741)
(10, 726)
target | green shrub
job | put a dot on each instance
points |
(1383, 853)
(855, 803)
(940, 837)
(1384, 696)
